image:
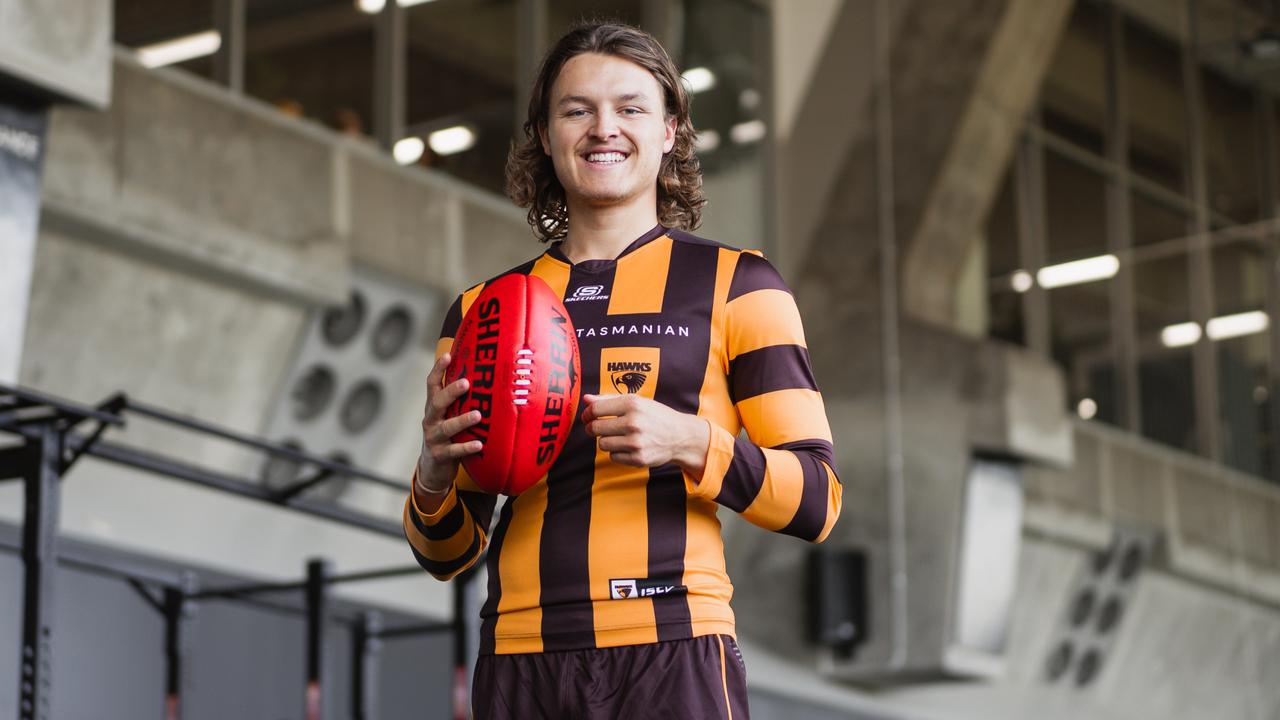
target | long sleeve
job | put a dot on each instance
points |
(450, 540)
(782, 476)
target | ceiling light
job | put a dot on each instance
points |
(408, 150)
(1180, 335)
(748, 132)
(1078, 271)
(373, 7)
(1087, 408)
(1021, 281)
(706, 140)
(749, 99)
(180, 49)
(1264, 46)
(1229, 326)
(451, 140)
(698, 79)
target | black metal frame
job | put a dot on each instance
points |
(51, 444)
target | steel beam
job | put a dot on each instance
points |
(364, 666)
(39, 559)
(317, 593)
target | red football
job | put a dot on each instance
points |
(519, 350)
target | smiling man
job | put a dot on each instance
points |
(608, 596)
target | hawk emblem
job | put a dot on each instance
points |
(631, 381)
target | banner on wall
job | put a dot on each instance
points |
(22, 137)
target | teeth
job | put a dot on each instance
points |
(609, 157)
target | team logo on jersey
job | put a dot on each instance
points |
(629, 371)
(587, 292)
(629, 377)
(643, 588)
(622, 589)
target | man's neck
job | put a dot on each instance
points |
(603, 233)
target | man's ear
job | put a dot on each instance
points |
(670, 140)
(544, 138)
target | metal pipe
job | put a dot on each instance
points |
(278, 450)
(142, 460)
(256, 588)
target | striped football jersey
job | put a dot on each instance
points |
(601, 554)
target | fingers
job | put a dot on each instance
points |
(605, 427)
(623, 458)
(440, 401)
(453, 452)
(435, 378)
(625, 444)
(599, 406)
(454, 425)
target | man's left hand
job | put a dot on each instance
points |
(640, 432)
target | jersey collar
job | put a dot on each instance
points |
(597, 265)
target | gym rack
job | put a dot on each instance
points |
(51, 441)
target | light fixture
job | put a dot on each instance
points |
(706, 140)
(451, 140)
(180, 49)
(373, 7)
(749, 99)
(1181, 334)
(1087, 408)
(408, 150)
(1229, 326)
(698, 79)
(1263, 46)
(745, 133)
(1021, 281)
(1078, 271)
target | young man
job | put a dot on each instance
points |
(608, 596)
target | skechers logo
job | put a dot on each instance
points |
(587, 292)
(629, 377)
(643, 588)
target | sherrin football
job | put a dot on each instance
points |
(518, 348)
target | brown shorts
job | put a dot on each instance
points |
(702, 677)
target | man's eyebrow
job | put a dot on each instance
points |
(584, 100)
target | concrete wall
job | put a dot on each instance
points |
(188, 236)
(60, 49)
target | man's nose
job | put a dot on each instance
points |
(605, 126)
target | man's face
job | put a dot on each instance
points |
(607, 132)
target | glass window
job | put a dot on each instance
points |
(312, 59)
(1004, 292)
(144, 23)
(1079, 313)
(1074, 91)
(1075, 203)
(1239, 332)
(1156, 223)
(1162, 309)
(461, 70)
(1231, 148)
(1156, 102)
(723, 52)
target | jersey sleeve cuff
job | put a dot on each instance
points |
(719, 456)
(450, 500)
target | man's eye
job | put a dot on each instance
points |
(575, 113)
(631, 111)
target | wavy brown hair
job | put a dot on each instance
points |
(531, 176)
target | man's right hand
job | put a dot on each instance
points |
(438, 461)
